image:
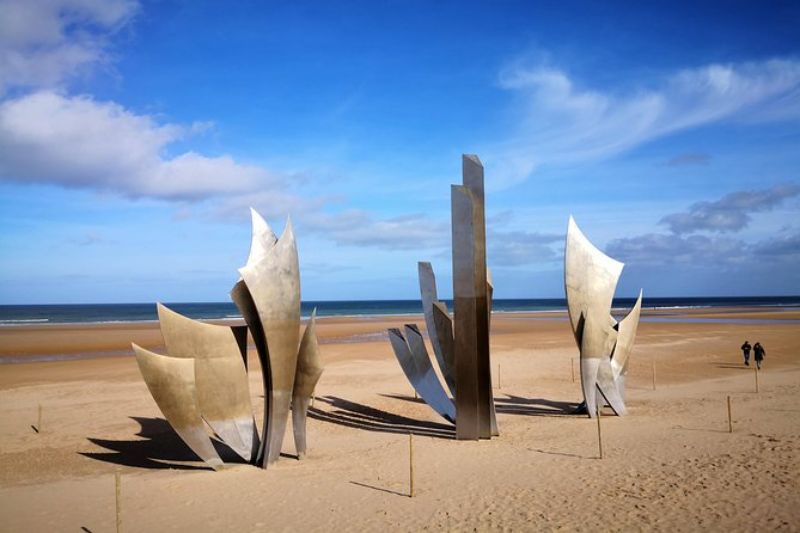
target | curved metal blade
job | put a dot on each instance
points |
(309, 370)
(171, 381)
(223, 392)
(427, 289)
(425, 383)
(274, 285)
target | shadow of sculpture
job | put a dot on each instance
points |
(160, 448)
(355, 415)
(405, 398)
(517, 405)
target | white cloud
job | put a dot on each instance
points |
(564, 123)
(42, 43)
(731, 213)
(77, 141)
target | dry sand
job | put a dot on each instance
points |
(669, 465)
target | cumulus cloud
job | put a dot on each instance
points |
(78, 142)
(785, 247)
(731, 213)
(668, 249)
(42, 43)
(562, 122)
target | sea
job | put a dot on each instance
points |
(16, 315)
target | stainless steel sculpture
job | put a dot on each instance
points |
(590, 279)
(460, 344)
(204, 375)
(416, 365)
(171, 381)
(272, 278)
(309, 370)
(223, 393)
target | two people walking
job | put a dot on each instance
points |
(758, 353)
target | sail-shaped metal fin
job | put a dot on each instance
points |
(171, 381)
(590, 279)
(430, 391)
(444, 333)
(626, 335)
(309, 370)
(427, 289)
(221, 381)
(274, 286)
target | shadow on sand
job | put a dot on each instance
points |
(734, 366)
(381, 489)
(160, 448)
(515, 405)
(355, 415)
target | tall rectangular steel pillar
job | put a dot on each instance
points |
(471, 306)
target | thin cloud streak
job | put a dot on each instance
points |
(562, 123)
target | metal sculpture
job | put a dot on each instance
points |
(171, 381)
(204, 374)
(590, 279)
(273, 282)
(223, 393)
(309, 370)
(460, 344)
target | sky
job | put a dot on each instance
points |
(135, 135)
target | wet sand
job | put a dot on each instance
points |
(669, 465)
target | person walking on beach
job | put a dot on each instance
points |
(758, 354)
(746, 352)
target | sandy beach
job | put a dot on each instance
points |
(670, 464)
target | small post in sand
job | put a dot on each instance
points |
(730, 422)
(599, 433)
(39, 421)
(654, 372)
(498, 376)
(118, 492)
(410, 465)
(756, 369)
(572, 368)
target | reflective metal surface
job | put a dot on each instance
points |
(273, 282)
(470, 307)
(309, 370)
(427, 289)
(590, 279)
(416, 365)
(171, 381)
(626, 335)
(222, 388)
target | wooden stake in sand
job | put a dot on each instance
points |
(39, 420)
(572, 368)
(118, 492)
(410, 465)
(654, 372)
(498, 376)
(599, 433)
(730, 422)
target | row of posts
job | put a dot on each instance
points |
(118, 479)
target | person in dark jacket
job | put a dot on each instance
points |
(758, 354)
(746, 352)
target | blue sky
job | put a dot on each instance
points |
(135, 135)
